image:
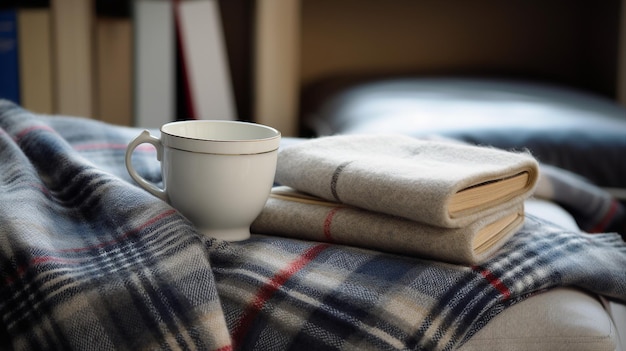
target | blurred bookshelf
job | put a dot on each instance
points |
(93, 58)
(275, 49)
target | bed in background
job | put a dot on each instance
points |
(565, 127)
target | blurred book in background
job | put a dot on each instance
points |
(205, 61)
(9, 77)
(114, 62)
(154, 63)
(73, 57)
(35, 56)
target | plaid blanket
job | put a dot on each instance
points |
(89, 261)
(593, 208)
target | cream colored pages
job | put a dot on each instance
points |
(489, 192)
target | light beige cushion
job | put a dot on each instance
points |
(558, 319)
(617, 311)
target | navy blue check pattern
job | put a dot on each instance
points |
(89, 261)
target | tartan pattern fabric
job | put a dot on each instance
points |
(332, 297)
(90, 262)
(593, 208)
(87, 260)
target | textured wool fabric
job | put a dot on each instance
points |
(287, 294)
(335, 223)
(89, 261)
(593, 208)
(401, 176)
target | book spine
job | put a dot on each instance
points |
(73, 56)
(185, 109)
(9, 62)
(113, 62)
(154, 63)
(205, 59)
(35, 58)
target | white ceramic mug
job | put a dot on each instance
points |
(218, 174)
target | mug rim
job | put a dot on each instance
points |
(214, 145)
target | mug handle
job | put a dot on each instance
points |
(145, 137)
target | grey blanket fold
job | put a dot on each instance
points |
(411, 178)
(292, 214)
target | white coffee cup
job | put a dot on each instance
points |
(218, 174)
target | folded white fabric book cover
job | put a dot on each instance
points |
(431, 184)
(290, 213)
(442, 183)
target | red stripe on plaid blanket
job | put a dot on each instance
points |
(495, 282)
(328, 221)
(20, 270)
(267, 291)
(44, 259)
(606, 219)
(22, 133)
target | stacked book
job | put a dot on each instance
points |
(426, 198)
(137, 63)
